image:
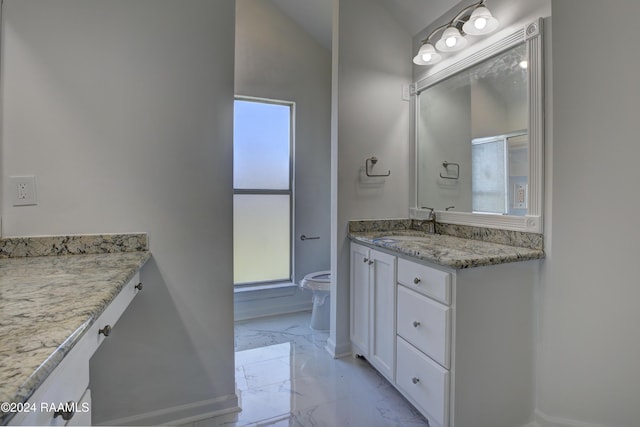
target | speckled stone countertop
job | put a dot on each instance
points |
(443, 249)
(48, 302)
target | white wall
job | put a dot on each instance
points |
(123, 111)
(371, 50)
(277, 59)
(588, 345)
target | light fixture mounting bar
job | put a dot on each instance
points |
(473, 20)
(454, 21)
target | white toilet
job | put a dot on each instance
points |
(320, 284)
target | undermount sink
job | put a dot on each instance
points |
(395, 239)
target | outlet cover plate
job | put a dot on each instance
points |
(23, 190)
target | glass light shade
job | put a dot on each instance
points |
(427, 55)
(451, 40)
(480, 22)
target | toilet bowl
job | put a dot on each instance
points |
(320, 284)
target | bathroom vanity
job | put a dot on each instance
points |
(448, 321)
(448, 318)
(55, 312)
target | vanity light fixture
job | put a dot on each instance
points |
(427, 55)
(473, 20)
(451, 40)
(480, 22)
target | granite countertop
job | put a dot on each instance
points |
(446, 250)
(46, 305)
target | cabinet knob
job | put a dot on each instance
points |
(138, 286)
(370, 262)
(415, 380)
(365, 260)
(416, 323)
(67, 412)
(105, 331)
(416, 280)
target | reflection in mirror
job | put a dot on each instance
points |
(500, 169)
(473, 144)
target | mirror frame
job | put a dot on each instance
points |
(531, 35)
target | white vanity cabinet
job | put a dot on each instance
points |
(464, 343)
(69, 381)
(373, 295)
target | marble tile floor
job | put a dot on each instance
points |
(285, 377)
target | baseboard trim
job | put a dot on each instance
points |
(331, 347)
(243, 314)
(544, 420)
(338, 351)
(182, 414)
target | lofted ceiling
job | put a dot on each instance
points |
(416, 15)
(315, 15)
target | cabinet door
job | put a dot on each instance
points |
(383, 303)
(360, 299)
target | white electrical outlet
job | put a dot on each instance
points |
(23, 190)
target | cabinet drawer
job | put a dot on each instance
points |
(67, 383)
(425, 323)
(426, 280)
(424, 382)
(93, 338)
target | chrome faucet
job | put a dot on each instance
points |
(431, 219)
(449, 208)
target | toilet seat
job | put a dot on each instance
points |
(318, 281)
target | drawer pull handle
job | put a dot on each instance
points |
(138, 286)
(67, 413)
(415, 380)
(416, 280)
(106, 331)
(416, 323)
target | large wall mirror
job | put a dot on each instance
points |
(479, 136)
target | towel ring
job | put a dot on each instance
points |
(372, 160)
(446, 165)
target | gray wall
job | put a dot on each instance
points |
(123, 111)
(277, 59)
(370, 118)
(588, 344)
